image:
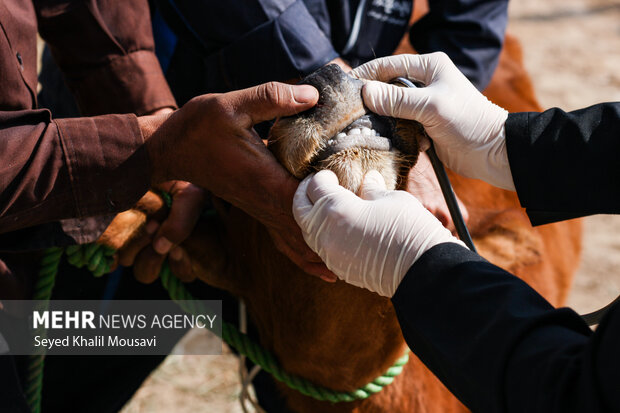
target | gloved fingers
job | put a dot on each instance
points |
(324, 183)
(395, 101)
(301, 203)
(413, 67)
(373, 186)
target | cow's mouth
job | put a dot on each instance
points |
(366, 132)
(341, 135)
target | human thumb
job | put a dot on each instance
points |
(274, 99)
(373, 186)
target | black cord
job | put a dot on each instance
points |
(444, 181)
(450, 197)
(591, 319)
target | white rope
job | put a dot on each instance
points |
(246, 379)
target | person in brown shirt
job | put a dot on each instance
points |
(57, 174)
(54, 169)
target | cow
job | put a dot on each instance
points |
(336, 335)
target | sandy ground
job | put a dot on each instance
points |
(572, 51)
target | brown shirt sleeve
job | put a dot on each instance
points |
(105, 49)
(68, 168)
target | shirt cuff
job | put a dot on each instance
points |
(132, 83)
(108, 164)
(437, 261)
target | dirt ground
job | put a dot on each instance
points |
(572, 51)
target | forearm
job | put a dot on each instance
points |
(106, 52)
(68, 168)
(497, 344)
(565, 165)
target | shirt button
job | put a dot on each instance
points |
(20, 61)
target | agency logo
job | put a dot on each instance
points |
(107, 327)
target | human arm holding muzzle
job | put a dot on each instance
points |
(546, 157)
(492, 340)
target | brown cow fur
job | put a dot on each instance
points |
(343, 337)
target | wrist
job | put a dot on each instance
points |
(427, 237)
(151, 128)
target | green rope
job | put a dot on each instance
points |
(264, 358)
(97, 258)
(43, 292)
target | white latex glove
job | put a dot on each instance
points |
(466, 128)
(369, 242)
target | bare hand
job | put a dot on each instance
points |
(212, 143)
(162, 237)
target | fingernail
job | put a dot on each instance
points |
(176, 254)
(305, 94)
(328, 278)
(162, 245)
(151, 227)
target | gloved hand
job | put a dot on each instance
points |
(466, 128)
(369, 242)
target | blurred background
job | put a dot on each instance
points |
(572, 52)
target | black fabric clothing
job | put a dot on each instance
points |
(491, 339)
(471, 32)
(498, 345)
(236, 44)
(566, 165)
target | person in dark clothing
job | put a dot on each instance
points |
(63, 180)
(214, 46)
(210, 46)
(492, 340)
(290, 39)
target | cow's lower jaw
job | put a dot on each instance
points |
(350, 166)
(360, 147)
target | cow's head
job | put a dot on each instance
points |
(341, 135)
(338, 134)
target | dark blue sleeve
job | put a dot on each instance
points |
(498, 345)
(471, 32)
(566, 165)
(250, 42)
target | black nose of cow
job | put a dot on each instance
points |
(340, 95)
(331, 80)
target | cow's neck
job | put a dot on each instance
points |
(336, 335)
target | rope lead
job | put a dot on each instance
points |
(97, 258)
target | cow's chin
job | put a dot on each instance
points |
(352, 164)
